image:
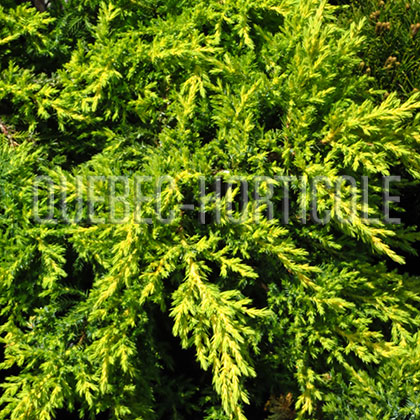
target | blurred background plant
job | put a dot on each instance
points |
(392, 50)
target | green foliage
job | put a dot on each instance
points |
(184, 319)
(392, 29)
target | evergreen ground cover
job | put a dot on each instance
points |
(117, 301)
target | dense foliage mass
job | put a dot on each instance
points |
(392, 29)
(215, 320)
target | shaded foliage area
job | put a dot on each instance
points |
(391, 55)
(393, 32)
